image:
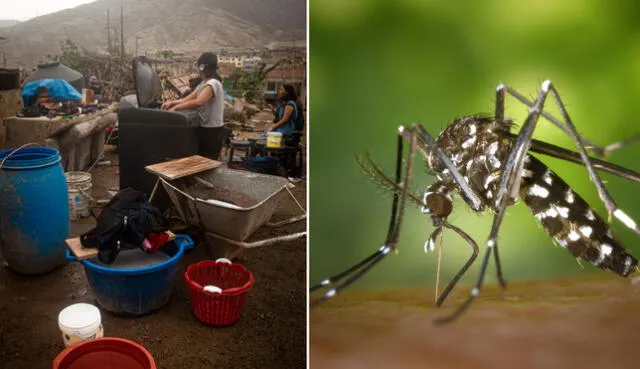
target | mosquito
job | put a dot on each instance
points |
(481, 160)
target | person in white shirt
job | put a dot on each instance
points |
(205, 107)
(207, 97)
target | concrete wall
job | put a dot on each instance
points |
(10, 103)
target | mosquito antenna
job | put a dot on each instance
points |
(377, 174)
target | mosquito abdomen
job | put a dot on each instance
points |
(571, 222)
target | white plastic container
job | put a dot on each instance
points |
(274, 139)
(80, 322)
(79, 185)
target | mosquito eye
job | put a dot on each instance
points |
(439, 204)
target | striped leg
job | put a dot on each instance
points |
(598, 150)
(357, 271)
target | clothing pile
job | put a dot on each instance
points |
(128, 221)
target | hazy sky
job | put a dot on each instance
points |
(25, 9)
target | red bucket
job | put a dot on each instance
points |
(223, 307)
(105, 353)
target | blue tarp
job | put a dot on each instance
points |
(58, 89)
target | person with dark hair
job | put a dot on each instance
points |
(207, 98)
(94, 85)
(205, 107)
(287, 110)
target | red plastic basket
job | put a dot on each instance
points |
(218, 308)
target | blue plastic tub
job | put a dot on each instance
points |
(136, 291)
(34, 210)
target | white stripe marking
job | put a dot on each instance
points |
(490, 178)
(469, 142)
(574, 236)
(539, 191)
(624, 218)
(493, 148)
(564, 212)
(429, 245)
(549, 213)
(586, 231)
(569, 196)
(495, 162)
(469, 164)
(627, 264)
(589, 215)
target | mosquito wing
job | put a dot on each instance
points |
(548, 149)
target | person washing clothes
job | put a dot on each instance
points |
(205, 107)
(94, 85)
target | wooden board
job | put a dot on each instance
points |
(182, 167)
(82, 253)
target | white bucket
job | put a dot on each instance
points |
(80, 322)
(274, 139)
(79, 185)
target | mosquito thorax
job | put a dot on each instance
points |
(477, 149)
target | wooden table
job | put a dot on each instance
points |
(179, 168)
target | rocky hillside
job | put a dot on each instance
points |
(5, 26)
(187, 26)
(8, 23)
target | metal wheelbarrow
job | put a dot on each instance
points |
(231, 205)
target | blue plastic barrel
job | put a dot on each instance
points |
(34, 210)
(136, 291)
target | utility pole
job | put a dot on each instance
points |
(122, 32)
(137, 38)
(108, 34)
(293, 52)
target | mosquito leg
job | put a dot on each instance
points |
(338, 277)
(598, 150)
(464, 268)
(395, 221)
(499, 115)
(509, 185)
(619, 145)
(612, 208)
(377, 257)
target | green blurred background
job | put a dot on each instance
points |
(375, 65)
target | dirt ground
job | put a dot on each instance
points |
(588, 323)
(271, 332)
